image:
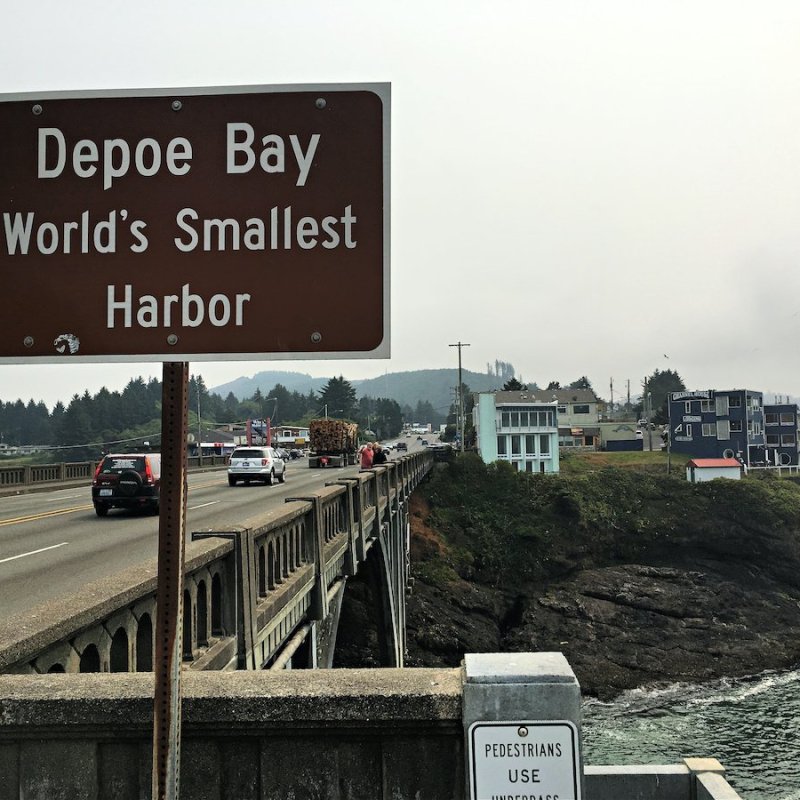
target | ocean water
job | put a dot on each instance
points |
(751, 725)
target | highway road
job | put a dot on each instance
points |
(52, 543)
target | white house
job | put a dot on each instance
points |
(707, 469)
(515, 427)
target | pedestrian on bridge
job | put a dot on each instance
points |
(365, 455)
(378, 455)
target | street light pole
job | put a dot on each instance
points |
(459, 345)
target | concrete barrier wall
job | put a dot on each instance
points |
(357, 734)
(50, 474)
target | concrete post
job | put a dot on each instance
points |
(522, 726)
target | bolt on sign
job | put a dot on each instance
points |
(195, 224)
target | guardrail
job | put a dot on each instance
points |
(43, 474)
(249, 588)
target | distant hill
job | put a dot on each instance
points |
(432, 385)
(407, 388)
(243, 388)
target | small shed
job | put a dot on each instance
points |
(708, 469)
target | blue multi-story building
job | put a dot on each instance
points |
(718, 424)
(781, 435)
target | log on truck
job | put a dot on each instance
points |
(334, 443)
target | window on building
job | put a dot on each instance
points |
(787, 439)
(580, 408)
(771, 419)
(501, 446)
(530, 445)
(523, 419)
(736, 426)
(706, 406)
(756, 428)
(721, 402)
(735, 401)
(562, 409)
(723, 429)
(709, 429)
(529, 466)
(516, 445)
(515, 419)
(773, 440)
(505, 419)
(544, 444)
(787, 419)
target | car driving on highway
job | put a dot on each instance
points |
(256, 464)
(127, 480)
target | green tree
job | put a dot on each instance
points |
(582, 383)
(424, 412)
(340, 398)
(513, 385)
(658, 386)
(388, 419)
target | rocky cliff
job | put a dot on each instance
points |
(636, 578)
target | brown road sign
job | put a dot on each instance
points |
(195, 224)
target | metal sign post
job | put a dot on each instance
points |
(169, 593)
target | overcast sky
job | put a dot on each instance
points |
(579, 188)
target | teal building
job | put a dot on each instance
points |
(515, 427)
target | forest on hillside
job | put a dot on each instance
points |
(118, 420)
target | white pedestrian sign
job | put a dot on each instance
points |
(526, 760)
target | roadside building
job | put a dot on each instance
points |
(578, 415)
(518, 428)
(624, 436)
(781, 439)
(711, 423)
(708, 469)
(289, 436)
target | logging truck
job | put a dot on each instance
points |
(334, 443)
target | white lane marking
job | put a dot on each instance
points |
(203, 505)
(32, 552)
(68, 497)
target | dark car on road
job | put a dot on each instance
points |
(127, 480)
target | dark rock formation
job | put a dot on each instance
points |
(695, 607)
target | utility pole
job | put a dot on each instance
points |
(199, 426)
(460, 397)
(611, 386)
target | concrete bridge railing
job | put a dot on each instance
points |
(378, 734)
(264, 593)
(50, 474)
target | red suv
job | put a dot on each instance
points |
(127, 480)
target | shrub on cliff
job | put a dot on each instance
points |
(505, 527)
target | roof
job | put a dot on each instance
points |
(714, 462)
(543, 396)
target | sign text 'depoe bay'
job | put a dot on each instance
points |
(142, 227)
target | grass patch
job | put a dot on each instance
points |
(655, 461)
